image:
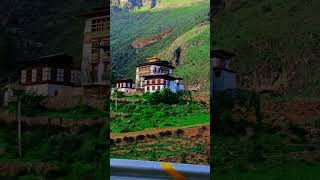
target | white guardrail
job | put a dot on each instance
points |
(149, 170)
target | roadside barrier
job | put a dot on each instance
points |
(149, 170)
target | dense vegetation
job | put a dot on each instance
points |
(242, 149)
(62, 153)
(188, 18)
(158, 111)
(33, 105)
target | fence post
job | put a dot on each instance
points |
(19, 126)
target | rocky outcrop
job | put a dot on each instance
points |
(131, 4)
(142, 42)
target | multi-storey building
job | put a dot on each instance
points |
(156, 75)
(152, 67)
(47, 75)
(95, 55)
(222, 77)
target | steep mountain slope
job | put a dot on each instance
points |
(277, 43)
(162, 30)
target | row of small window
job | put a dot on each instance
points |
(153, 88)
(124, 85)
(46, 75)
(156, 81)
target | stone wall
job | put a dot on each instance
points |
(64, 102)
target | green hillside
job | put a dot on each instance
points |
(188, 20)
(277, 43)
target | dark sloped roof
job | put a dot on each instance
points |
(165, 76)
(224, 69)
(125, 80)
(158, 63)
(100, 11)
(221, 53)
(61, 58)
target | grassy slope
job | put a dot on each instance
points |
(73, 153)
(144, 116)
(272, 34)
(196, 59)
(182, 15)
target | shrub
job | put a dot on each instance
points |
(164, 96)
(131, 139)
(297, 130)
(153, 136)
(31, 104)
(126, 139)
(118, 140)
(179, 132)
(183, 158)
(112, 142)
(140, 137)
(148, 136)
(168, 133)
(162, 134)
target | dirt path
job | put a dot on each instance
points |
(156, 131)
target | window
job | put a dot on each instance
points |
(217, 73)
(46, 74)
(147, 88)
(34, 75)
(146, 81)
(23, 76)
(60, 75)
(94, 51)
(99, 25)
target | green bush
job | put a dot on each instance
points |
(31, 104)
(164, 96)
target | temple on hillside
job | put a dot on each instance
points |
(155, 75)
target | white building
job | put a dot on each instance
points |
(159, 82)
(154, 66)
(125, 85)
(222, 77)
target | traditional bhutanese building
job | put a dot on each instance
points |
(222, 77)
(154, 66)
(95, 56)
(125, 85)
(159, 82)
(47, 75)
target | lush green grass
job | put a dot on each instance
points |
(159, 149)
(292, 170)
(182, 15)
(75, 154)
(143, 116)
(195, 64)
(266, 157)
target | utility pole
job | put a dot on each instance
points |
(19, 125)
(116, 91)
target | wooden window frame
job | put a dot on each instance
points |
(60, 75)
